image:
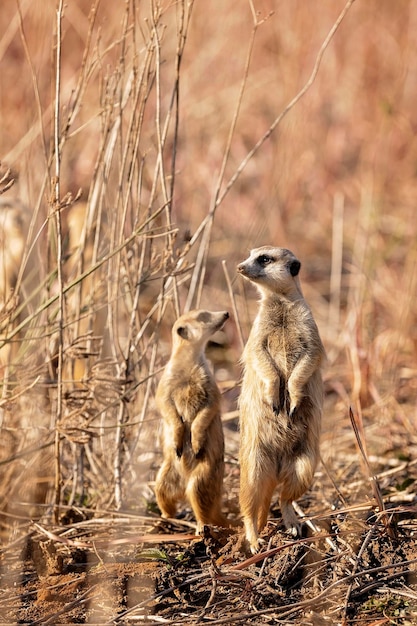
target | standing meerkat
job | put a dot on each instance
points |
(189, 402)
(281, 399)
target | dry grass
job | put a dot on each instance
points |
(152, 144)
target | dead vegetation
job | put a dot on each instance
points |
(146, 147)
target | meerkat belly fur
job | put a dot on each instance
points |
(282, 393)
(189, 402)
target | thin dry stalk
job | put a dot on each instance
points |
(35, 83)
(359, 431)
(337, 263)
(219, 196)
(6, 181)
(289, 106)
(185, 12)
(57, 213)
(233, 302)
(203, 251)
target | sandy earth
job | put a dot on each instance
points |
(129, 571)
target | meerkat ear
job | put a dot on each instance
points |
(295, 268)
(183, 332)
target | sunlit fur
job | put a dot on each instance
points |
(189, 402)
(282, 393)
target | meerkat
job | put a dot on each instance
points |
(281, 397)
(193, 444)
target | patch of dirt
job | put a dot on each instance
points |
(355, 565)
(348, 571)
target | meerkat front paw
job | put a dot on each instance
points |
(295, 397)
(198, 444)
(294, 402)
(273, 399)
(199, 454)
(179, 440)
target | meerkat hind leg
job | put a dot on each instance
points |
(168, 489)
(297, 479)
(203, 492)
(255, 500)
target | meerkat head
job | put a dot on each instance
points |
(196, 327)
(272, 270)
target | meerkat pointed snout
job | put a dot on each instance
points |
(282, 393)
(189, 401)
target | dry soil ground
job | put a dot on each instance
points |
(358, 567)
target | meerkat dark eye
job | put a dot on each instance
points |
(183, 332)
(264, 259)
(294, 268)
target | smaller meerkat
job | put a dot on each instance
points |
(193, 444)
(281, 398)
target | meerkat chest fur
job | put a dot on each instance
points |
(284, 331)
(283, 353)
(187, 386)
(192, 388)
